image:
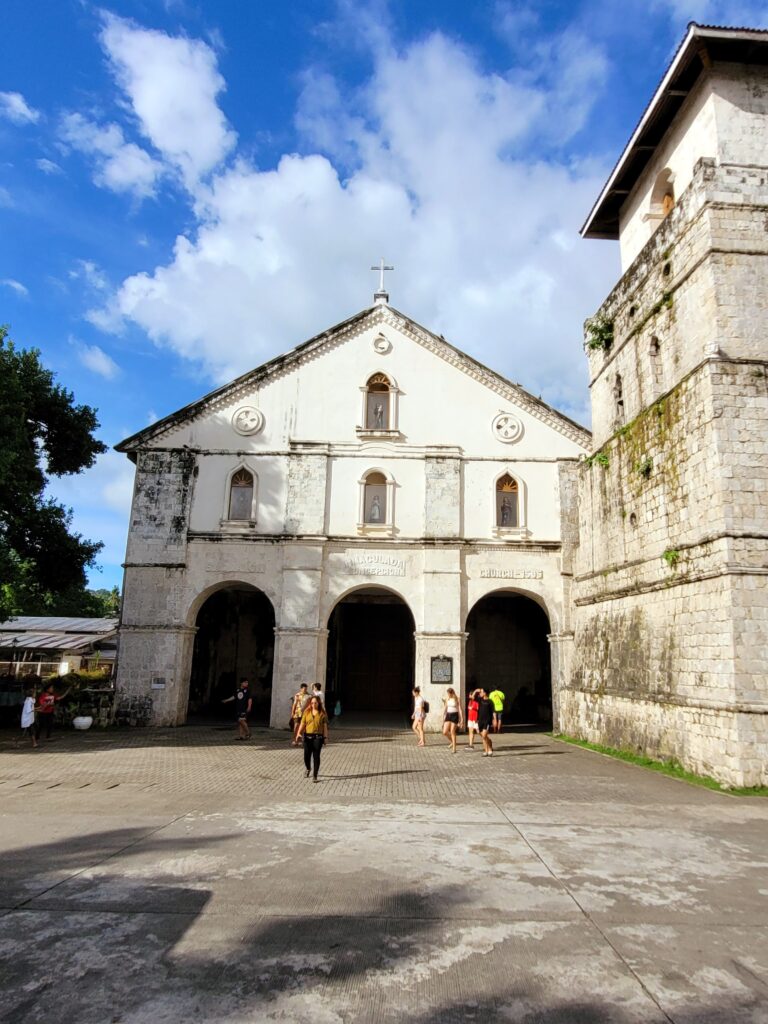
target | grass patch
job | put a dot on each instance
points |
(671, 768)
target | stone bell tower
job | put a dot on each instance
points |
(671, 577)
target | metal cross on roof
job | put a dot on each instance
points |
(382, 295)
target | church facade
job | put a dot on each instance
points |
(373, 510)
(376, 510)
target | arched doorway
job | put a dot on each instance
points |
(371, 657)
(235, 638)
(507, 649)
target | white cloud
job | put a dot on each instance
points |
(439, 177)
(172, 85)
(91, 273)
(16, 286)
(120, 166)
(107, 318)
(6, 199)
(48, 166)
(568, 69)
(13, 107)
(96, 360)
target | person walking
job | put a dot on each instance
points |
(472, 728)
(298, 707)
(419, 715)
(28, 716)
(317, 691)
(314, 730)
(453, 718)
(243, 704)
(46, 706)
(485, 721)
(497, 698)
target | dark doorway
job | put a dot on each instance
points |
(507, 649)
(370, 657)
(235, 638)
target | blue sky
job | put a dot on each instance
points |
(190, 188)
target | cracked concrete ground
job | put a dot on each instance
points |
(177, 875)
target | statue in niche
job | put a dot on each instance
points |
(506, 512)
(375, 516)
(378, 416)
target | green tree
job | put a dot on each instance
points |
(42, 433)
(107, 601)
(75, 601)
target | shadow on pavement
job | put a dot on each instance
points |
(87, 965)
(375, 775)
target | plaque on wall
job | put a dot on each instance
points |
(442, 670)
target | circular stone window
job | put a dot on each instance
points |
(382, 345)
(507, 428)
(248, 420)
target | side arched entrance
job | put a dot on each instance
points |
(235, 638)
(370, 660)
(508, 649)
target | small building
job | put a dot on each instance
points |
(43, 645)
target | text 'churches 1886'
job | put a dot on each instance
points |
(512, 574)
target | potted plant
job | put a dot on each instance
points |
(82, 713)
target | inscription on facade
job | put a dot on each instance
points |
(374, 565)
(512, 574)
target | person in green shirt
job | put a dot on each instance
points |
(497, 698)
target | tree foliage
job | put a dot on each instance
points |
(43, 433)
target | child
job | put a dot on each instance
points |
(473, 705)
(28, 716)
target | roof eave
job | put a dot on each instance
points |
(132, 444)
(602, 221)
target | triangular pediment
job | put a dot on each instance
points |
(380, 316)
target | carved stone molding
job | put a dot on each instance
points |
(248, 420)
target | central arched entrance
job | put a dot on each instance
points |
(235, 638)
(508, 649)
(370, 662)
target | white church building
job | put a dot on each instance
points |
(373, 510)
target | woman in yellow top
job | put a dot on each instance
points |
(314, 729)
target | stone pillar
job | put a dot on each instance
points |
(435, 645)
(155, 661)
(560, 649)
(440, 632)
(300, 641)
(299, 658)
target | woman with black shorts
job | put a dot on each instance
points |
(485, 721)
(453, 718)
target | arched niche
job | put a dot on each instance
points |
(509, 506)
(380, 406)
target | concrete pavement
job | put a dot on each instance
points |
(177, 875)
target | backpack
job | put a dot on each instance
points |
(425, 707)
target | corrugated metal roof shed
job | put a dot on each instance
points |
(47, 641)
(54, 633)
(57, 624)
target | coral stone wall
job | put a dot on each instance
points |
(671, 575)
